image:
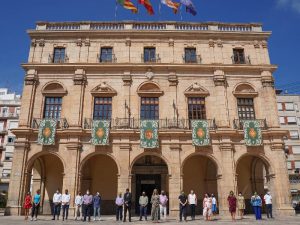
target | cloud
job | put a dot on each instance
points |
(293, 4)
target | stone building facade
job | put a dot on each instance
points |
(167, 71)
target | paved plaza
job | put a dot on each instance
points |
(109, 220)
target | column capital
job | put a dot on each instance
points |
(127, 79)
(74, 146)
(219, 78)
(226, 147)
(125, 147)
(80, 77)
(175, 147)
(31, 77)
(173, 79)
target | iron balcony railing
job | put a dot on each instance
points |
(62, 123)
(294, 178)
(154, 59)
(241, 59)
(196, 59)
(63, 59)
(164, 124)
(107, 58)
(9, 115)
(239, 124)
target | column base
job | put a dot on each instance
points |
(285, 211)
(13, 211)
(174, 213)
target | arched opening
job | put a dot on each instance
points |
(100, 174)
(148, 172)
(252, 176)
(46, 174)
(200, 175)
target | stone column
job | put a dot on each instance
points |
(124, 176)
(17, 182)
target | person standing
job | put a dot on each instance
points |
(127, 205)
(155, 206)
(163, 201)
(241, 205)
(232, 205)
(207, 207)
(65, 202)
(27, 204)
(56, 204)
(256, 204)
(182, 206)
(36, 205)
(78, 205)
(97, 205)
(87, 205)
(119, 207)
(143, 202)
(268, 202)
(214, 204)
(192, 200)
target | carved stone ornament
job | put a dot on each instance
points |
(33, 42)
(87, 42)
(104, 89)
(127, 80)
(211, 43)
(173, 80)
(79, 42)
(196, 90)
(80, 77)
(31, 77)
(219, 43)
(128, 42)
(171, 42)
(220, 80)
(149, 74)
(256, 44)
(41, 42)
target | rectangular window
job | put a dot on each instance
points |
(149, 55)
(13, 124)
(52, 109)
(190, 55)
(291, 120)
(294, 134)
(289, 106)
(296, 149)
(196, 108)
(1, 126)
(238, 56)
(102, 108)
(59, 55)
(106, 54)
(281, 120)
(10, 140)
(246, 108)
(297, 164)
(279, 106)
(149, 108)
(289, 165)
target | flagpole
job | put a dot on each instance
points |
(181, 12)
(137, 14)
(159, 10)
(116, 9)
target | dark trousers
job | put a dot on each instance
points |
(65, 209)
(257, 211)
(119, 212)
(269, 210)
(35, 210)
(182, 212)
(87, 212)
(193, 211)
(143, 212)
(56, 210)
(127, 208)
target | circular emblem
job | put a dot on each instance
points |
(148, 134)
(47, 132)
(200, 133)
(100, 132)
(252, 133)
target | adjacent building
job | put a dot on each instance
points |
(10, 104)
(143, 105)
(289, 117)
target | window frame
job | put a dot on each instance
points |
(244, 105)
(147, 57)
(45, 104)
(203, 114)
(193, 57)
(239, 58)
(107, 59)
(61, 58)
(154, 113)
(108, 116)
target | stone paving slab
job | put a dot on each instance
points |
(109, 220)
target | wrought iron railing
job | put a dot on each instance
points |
(294, 178)
(154, 59)
(241, 60)
(64, 59)
(192, 59)
(9, 115)
(62, 123)
(164, 124)
(109, 58)
(239, 124)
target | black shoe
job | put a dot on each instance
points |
(53, 218)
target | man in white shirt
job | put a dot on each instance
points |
(192, 200)
(78, 205)
(56, 204)
(65, 199)
(268, 202)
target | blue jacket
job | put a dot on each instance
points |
(256, 201)
(97, 201)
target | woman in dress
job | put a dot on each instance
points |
(241, 205)
(207, 205)
(232, 205)
(155, 206)
(27, 204)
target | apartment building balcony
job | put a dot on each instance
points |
(9, 115)
(239, 124)
(192, 59)
(3, 131)
(62, 123)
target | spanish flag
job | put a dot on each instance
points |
(148, 6)
(171, 4)
(127, 4)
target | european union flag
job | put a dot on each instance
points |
(190, 8)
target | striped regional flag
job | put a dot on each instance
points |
(127, 4)
(148, 6)
(173, 5)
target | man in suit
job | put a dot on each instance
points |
(127, 205)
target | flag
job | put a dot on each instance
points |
(200, 133)
(147, 5)
(149, 134)
(47, 132)
(100, 132)
(127, 4)
(252, 133)
(190, 8)
(173, 5)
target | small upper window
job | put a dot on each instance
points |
(190, 55)
(10, 140)
(294, 134)
(59, 55)
(106, 54)
(246, 108)
(238, 56)
(279, 106)
(289, 106)
(149, 54)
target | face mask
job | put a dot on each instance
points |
(87, 193)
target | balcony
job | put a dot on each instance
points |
(294, 178)
(148, 59)
(192, 59)
(62, 123)
(9, 115)
(52, 59)
(3, 131)
(241, 60)
(164, 124)
(111, 58)
(239, 124)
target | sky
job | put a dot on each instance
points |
(282, 17)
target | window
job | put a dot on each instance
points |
(190, 55)
(149, 55)
(296, 149)
(13, 124)
(289, 165)
(246, 108)
(238, 56)
(59, 55)
(6, 173)
(297, 164)
(1, 126)
(282, 120)
(294, 134)
(53, 107)
(106, 54)
(279, 106)
(4, 111)
(102, 108)
(149, 108)
(10, 140)
(196, 108)
(291, 120)
(8, 155)
(289, 106)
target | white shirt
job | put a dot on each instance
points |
(66, 199)
(192, 198)
(268, 199)
(78, 200)
(57, 198)
(214, 201)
